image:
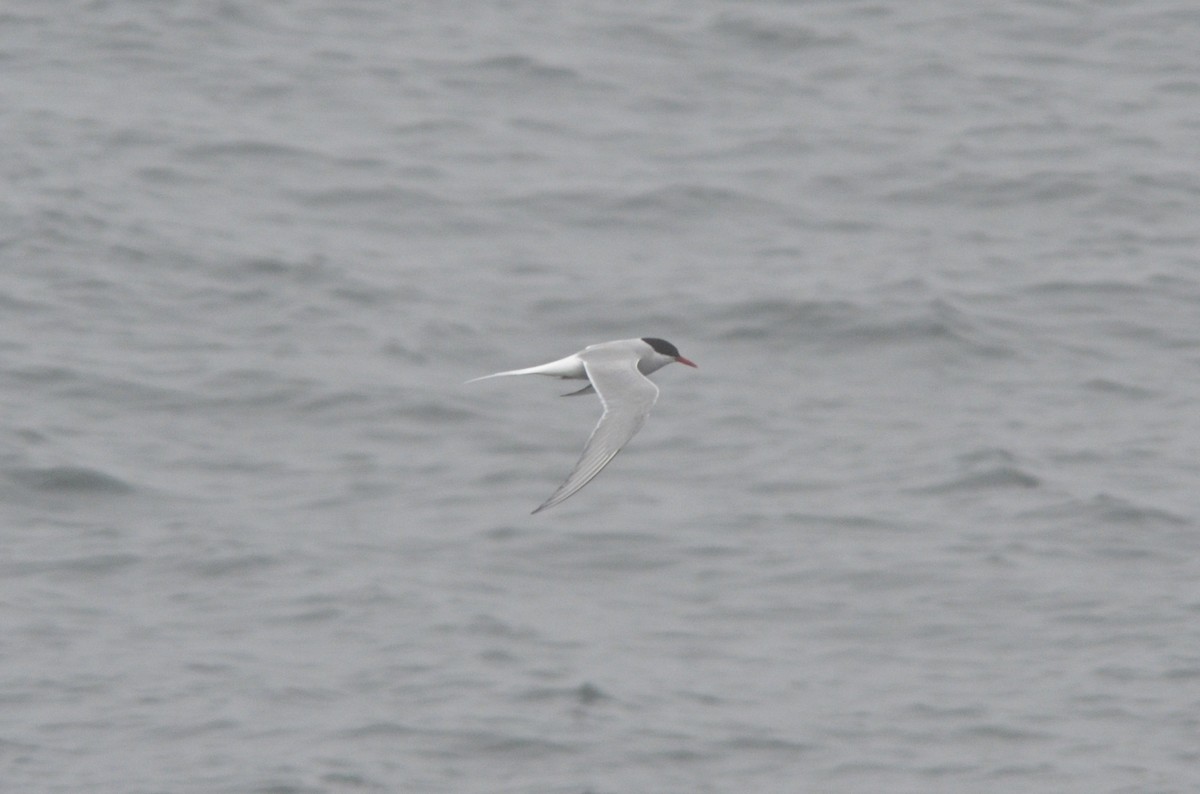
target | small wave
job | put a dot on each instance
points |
(1185, 87)
(637, 34)
(238, 149)
(662, 207)
(386, 197)
(1086, 291)
(1119, 389)
(844, 522)
(585, 694)
(1152, 313)
(1106, 509)
(988, 468)
(509, 745)
(989, 191)
(994, 732)
(849, 324)
(434, 412)
(768, 744)
(70, 479)
(935, 321)
(524, 67)
(765, 318)
(232, 566)
(259, 389)
(95, 564)
(1121, 511)
(778, 34)
(997, 477)
(386, 729)
(695, 200)
(11, 304)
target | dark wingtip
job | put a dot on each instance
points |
(661, 346)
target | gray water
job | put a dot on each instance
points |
(926, 519)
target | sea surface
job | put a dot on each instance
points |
(926, 519)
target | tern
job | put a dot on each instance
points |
(616, 372)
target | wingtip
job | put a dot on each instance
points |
(551, 502)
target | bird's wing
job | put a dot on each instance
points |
(627, 396)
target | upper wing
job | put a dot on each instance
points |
(627, 396)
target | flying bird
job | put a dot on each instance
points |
(616, 372)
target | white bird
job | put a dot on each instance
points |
(617, 373)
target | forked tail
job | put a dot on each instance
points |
(526, 371)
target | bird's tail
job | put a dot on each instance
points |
(569, 367)
(539, 370)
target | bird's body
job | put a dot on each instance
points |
(617, 372)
